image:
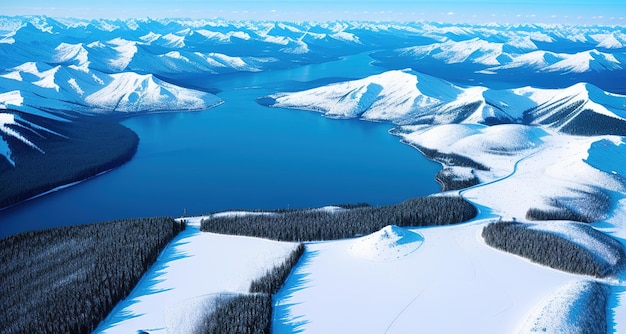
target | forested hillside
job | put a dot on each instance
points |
(67, 152)
(68, 279)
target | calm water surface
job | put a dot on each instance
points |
(243, 155)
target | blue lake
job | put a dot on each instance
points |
(242, 155)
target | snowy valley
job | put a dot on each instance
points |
(528, 123)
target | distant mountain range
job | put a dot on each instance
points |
(171, 48)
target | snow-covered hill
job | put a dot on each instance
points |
(170, 48)
(502, 56)
(76, 88)
(408, 97)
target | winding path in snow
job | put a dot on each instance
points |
(481, 215)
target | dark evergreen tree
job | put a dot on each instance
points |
(316, 224)
(68, 279)
(555, 251)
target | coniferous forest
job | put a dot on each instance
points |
(68, 279)
(82, 148)
(596, 204)
(319, 224)
(555, 251)
(252, 312)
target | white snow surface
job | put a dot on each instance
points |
(129, 92)
(453, 272)
(546, 61)
(33, 86)
(453, 283)
(196, 267)
(390, 243)
(11, 99)
(474, 50)
(405, 96)
(558, 312)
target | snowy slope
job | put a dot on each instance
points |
(76, 88)
(545, 61)
(452, 283)
(388, 244)
(196, 267)
(408, 97)
(15, 127)
(371, 97)
(125, 45)
(473, 50)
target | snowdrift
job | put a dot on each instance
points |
(390, 243)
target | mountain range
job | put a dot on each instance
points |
(407, 97)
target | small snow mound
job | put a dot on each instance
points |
(390, 243)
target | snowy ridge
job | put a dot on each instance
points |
(75, 88)
(406, 97)
(113, 45)
(545, 61)
(130, 92)
(451, 52)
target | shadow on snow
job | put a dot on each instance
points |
(282, 319)
(148, 284)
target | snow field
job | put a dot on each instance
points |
(452, 283)
(178, 290)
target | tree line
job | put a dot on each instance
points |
(251, 313)
(319, 224)
(553, 250)
(449, 180)
(446, 177)
(597, 203)
(68, 279)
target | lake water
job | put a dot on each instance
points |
(242, 155)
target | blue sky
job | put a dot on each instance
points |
(482, 11)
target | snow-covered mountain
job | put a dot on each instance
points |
(545, 61)
(171, 48)
(408, 97)
(39, 86)
(503, 56)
